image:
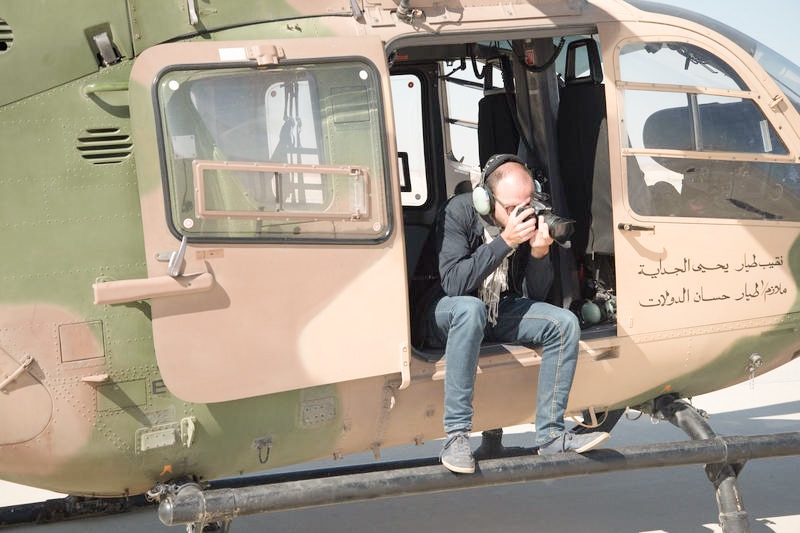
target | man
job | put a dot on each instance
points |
(495, 273)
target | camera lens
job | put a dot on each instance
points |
(561, 229)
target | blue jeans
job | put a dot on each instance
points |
(459, 323)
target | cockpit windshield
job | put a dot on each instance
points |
(785, 73)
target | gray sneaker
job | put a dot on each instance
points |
(574, 442)
(456, 455)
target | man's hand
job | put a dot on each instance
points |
(540, 240)
(519, 230)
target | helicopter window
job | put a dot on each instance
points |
(783, 71)
(736, 189)
(465, 86)
(676, 64)
(279, 154)
(407, 101)
(703, 123)
(687, 100)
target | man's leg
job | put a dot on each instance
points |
(557, 330)
(459, 323)
(459, 326)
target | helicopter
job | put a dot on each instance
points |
(217, 218)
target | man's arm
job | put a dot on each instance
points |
(538, 278)
(539, 270)
(461, 269)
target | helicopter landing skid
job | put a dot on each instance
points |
(217, 503)
(722, 457)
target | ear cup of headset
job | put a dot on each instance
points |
(482, 200)
(482, 197)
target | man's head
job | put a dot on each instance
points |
(511, 186)
(507, 184)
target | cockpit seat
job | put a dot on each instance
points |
(581, 115)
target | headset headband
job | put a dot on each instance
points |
(494, 162)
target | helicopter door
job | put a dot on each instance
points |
(704, 215)
(269, 213)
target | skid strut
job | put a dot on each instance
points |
(723, 475)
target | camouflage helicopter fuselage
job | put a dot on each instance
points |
(271, 347)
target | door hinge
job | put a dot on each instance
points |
(776, 101)
(265, 54)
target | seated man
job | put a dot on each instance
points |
(495, 273)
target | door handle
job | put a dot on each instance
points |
(134, 290)
(176, 259)
(627, 226)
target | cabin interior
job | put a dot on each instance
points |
(542, 96)
(462, 102)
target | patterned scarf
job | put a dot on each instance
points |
(495, 283)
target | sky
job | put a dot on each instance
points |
(773, 22)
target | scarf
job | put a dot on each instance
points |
(494, 284)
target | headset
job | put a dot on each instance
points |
(482, 197)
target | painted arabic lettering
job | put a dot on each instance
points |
(759, 289)
(687, 266)
(743, 291)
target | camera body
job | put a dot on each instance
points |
(561, 229)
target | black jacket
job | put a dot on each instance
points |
(465, 260)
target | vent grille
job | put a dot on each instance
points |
(105, 146)
(6, 36)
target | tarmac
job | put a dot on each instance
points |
(672, 500)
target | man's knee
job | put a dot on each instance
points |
(468, 309)
(567, 320)
(569, 324)
(564, 327)
(570, 320)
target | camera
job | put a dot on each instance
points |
(561, 229)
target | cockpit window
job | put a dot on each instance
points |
(287, 153)
(676, 63)
(784, 72)
(697, 144)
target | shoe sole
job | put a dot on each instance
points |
(459, 469)
(591, 444)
